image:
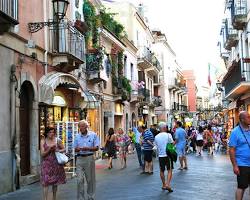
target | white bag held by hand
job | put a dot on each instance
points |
(61, 158)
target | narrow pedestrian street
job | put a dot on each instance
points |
(207, 178)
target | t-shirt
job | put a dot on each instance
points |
(242, 150)
(148, 135)
(180, 135)
(199, 136)
(161, 141)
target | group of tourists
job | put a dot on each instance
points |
(210, 138)
(144, 141)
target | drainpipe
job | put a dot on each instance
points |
(45, 37)
(242, 68)
(13, 139)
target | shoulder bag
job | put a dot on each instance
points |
(62, 159)
(244, 136)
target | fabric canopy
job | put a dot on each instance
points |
(48, 83)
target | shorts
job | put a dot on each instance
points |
(181, 151)
(209, 144)
(148, 155)
(199, 143)
(243, 179)
(166, 162)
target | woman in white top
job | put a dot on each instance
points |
(199, 140)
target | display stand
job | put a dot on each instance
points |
(66, 131)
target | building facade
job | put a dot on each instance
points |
(234, 50)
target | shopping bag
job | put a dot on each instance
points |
(171, 152)
(61, 158)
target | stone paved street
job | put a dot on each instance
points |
(207, 178)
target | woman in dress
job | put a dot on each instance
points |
(122, 142)
(51, 172)
(110, 146)
(199, 140)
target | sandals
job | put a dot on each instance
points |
(167, 188)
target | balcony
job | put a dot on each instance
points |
(66, 46)
(144, 95)
(157, 101)
(94, 67)
(8, 14)
(239, 14)
(237, 82)
(155, 66)
(147, 61)
(230, 35)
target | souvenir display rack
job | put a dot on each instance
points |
(66, 131)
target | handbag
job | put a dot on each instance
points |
(62, 159)
(171, 152)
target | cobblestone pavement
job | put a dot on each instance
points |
(207, 178)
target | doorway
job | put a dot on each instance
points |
(26, 100)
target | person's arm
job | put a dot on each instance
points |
(77, 149)
(233, 160)
(60, 146)
(44, 152)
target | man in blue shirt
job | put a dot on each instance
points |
(86, 143)
(180, 141)
(239, 151)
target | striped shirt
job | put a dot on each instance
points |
(148, 135)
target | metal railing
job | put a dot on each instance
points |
(145, 93)
(238, 7)
(10, 8)
(236, 77)
(66, 39)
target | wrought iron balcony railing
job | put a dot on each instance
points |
(66, 39)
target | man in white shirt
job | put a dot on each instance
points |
(161, 141)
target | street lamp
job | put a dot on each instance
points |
(59, 9)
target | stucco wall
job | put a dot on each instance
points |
(6, 57)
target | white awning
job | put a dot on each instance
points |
(48, 83)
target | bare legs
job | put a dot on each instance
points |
(183, 162)
(54, 190)
(239, 194)
(45, 192)
(110, 162)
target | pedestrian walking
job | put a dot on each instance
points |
(122, 142)
(138, 146)
(52, 173)
(110, 146)
(86, 143)
(239, 151)
(199, 140)
(210, 140)
(161, 141)
(180, 141)
(148, 144)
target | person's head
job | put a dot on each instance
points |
(200, 129)
(162, 126)
(111, 131)
(142, 128)
(120, 131)
(50, 132)
(83, 126)
(209, 127)
(178, 124)
(130, 130)
(244, 118)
